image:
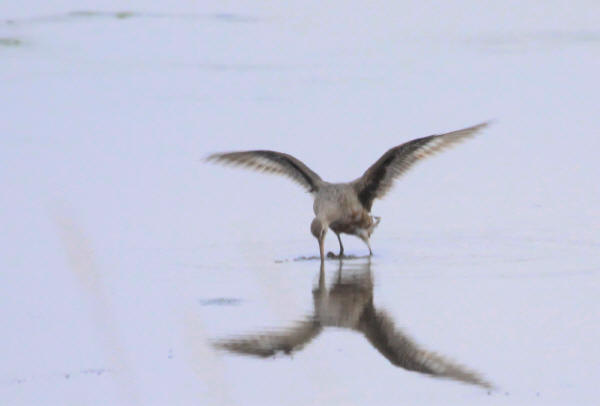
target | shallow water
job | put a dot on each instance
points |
(126, 259)
(348, 304)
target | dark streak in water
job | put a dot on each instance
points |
(10, 42)
(118, 14)
(79, 15)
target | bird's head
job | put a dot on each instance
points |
(318, 228)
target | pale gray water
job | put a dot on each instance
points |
(125, 257)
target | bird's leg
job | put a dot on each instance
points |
(363, 235)
(369, 245)
(341, 246)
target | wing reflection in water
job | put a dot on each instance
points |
(349, 304)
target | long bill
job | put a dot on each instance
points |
(322, 248)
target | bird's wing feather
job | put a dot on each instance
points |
(378, 179)
(403, 352)
(269, 343)
(272, 162)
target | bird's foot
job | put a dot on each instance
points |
(333, 255)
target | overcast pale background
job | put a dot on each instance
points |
(123, 254)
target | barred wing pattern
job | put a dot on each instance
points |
(403, 352)
(272, 162)
(379, 178)
(270, 343)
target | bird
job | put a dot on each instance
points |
(345, 208)
(348, 304)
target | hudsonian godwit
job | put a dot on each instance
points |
(346, 207)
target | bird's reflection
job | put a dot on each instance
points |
(348, 303)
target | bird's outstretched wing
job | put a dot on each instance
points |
(403, 352)
(378, 179)
(272, 162)
(270, 343)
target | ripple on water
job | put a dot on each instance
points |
(220, 301)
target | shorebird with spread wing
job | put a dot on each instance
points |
(346, 207)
